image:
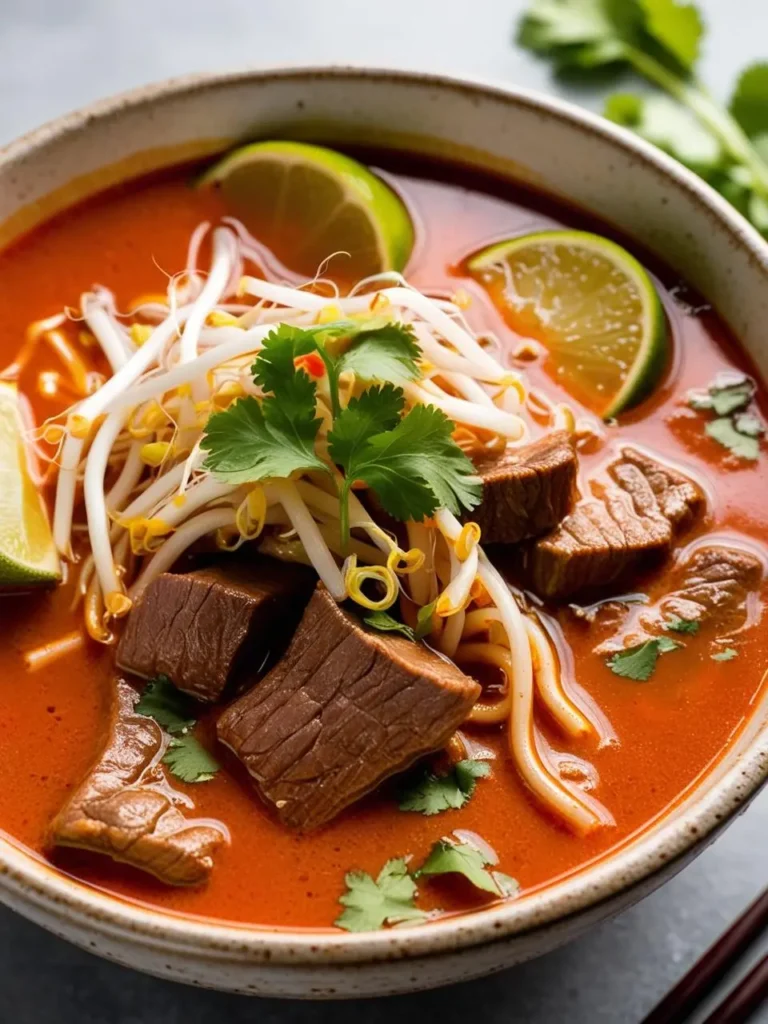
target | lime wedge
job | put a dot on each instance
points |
(27, 552)
(307, 202)
(591, 305)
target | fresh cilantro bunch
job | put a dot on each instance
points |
(661, 41)
(409, 459)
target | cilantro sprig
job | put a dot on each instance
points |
(186, 757)
(661, 40)
(729, 396)
(390, 898)
(409, 460)
(638, 662)
(426, 793)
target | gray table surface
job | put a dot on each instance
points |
(58, 54)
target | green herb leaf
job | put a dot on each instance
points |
(749, 104)
(424, 620)
(169, 707)
(414, 468)
(373, 904)
(274, 370)
(377, 410)
(386, 353)
(678, 625)
(727, 655)
(748, 424)
(189, 760)
(726, 394)
(384, 622)
(743, 446)
(509, 886)
(668, 125)
(638, 662)
(449, 858)
(578, 33)
(677, 27)
(255, 440)
(427, 793)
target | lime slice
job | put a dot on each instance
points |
(27, 552)
(591, 305)
(306, 203)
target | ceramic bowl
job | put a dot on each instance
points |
(523, 136)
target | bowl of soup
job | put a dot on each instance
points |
(383, 557)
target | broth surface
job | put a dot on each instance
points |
(670, 730)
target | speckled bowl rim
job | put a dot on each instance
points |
(50, 894)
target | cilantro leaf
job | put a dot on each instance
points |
(727, 655)
(449, 858)
(727, 393)
(169, 707)
(274, 370)
(749, 104)
(743, 446)
(254, 440)
(678, 625)
(668, 125)
(385, 623)
(638, 662)
(509, 886)
(748, 424)
(377, 409)
(424, 620)
(189, 760)
(416, 467)
(676, 26)
(427, 793)
(373, 904)
(386, 353)
(578, 33)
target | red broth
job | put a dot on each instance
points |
(670, 730)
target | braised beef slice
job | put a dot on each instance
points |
(126, 809)
(202, 628)
(715, 584)
(342, 710)
(527, 490)
(631, 525)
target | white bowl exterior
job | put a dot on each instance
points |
(560, 150)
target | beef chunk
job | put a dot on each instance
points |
(202, 628)
(528, 490)
(629, 526)
(714, 585)
(126, 809)
(342, 711)
(654, 486)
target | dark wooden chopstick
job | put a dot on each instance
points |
(747, 997)
(692, 989)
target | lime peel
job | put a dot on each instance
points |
(27, 553)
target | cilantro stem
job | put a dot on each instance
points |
(713, 117)
(333, 379)
(344, 514)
